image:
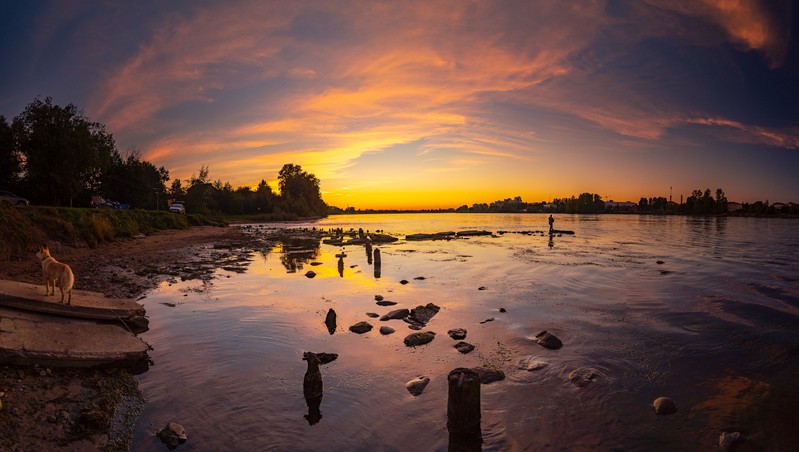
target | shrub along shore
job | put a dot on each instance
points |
(24, 228)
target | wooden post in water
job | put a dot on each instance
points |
(378, 263)
(463, 410)
(368, 252)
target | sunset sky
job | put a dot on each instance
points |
(429, 104)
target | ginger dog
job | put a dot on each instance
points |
(56, 272)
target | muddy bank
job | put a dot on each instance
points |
(94, 409)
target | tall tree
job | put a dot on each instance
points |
(299, 191)
(9, 160)
(64, 153)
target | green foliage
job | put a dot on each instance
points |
(91, 226)
(703, 203)
(65, 155)
(299, 191)
(9, 160)
(136, 182)
(585, 203)
(17, 234)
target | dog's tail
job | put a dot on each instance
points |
(66, 281)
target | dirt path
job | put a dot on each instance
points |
(73, 409)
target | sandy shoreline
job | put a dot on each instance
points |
(71, 409)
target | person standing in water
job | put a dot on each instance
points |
(551, 224)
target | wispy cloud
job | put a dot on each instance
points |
(325, 84)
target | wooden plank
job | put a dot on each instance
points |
(85, 304)
(29, 338)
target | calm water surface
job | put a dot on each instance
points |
(714, 326)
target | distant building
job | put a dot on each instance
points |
(626, 206)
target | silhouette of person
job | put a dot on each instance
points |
(551, 224)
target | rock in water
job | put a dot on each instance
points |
(664, 405)
(531, 363)
(420, 315)
(172, 435)
(386, 330)
(490, 319)
(547, 340)
(310, 274)
(361, 327)
(373, 315)
(727, 441)
(415, 339)
(489, 374)
(582, 376)
(378, 298)
(417, 385)
(386, 303)
(395, 315)
(325, 358)
(464, 347)
(330, 321)
(457, 333)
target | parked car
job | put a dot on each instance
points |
(119, 205)
(178, 207)
(13, 199)
(98, 202)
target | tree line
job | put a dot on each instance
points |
(55, 155)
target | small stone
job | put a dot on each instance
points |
(404, 281)
(457, 333)
(464, 347)
(416, 339)
(728, 440)
(42, 373)
(396, 314)
(531, 363)
(664, 405)
(373, 315)
(490, 319)
(660, 262)
(547, 340)
(172, 435)
(489, 374)
(361, 327)
(481, 288)
(417, 385)
(310, 274)
(420, 278)
(503, 310)
(386, 303)
(378, 298)
(386, 330)
(583, 376)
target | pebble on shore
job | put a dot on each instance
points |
(664, 406)
(417, 385)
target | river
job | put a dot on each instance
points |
(702, 310)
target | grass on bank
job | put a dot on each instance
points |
(24, 228)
